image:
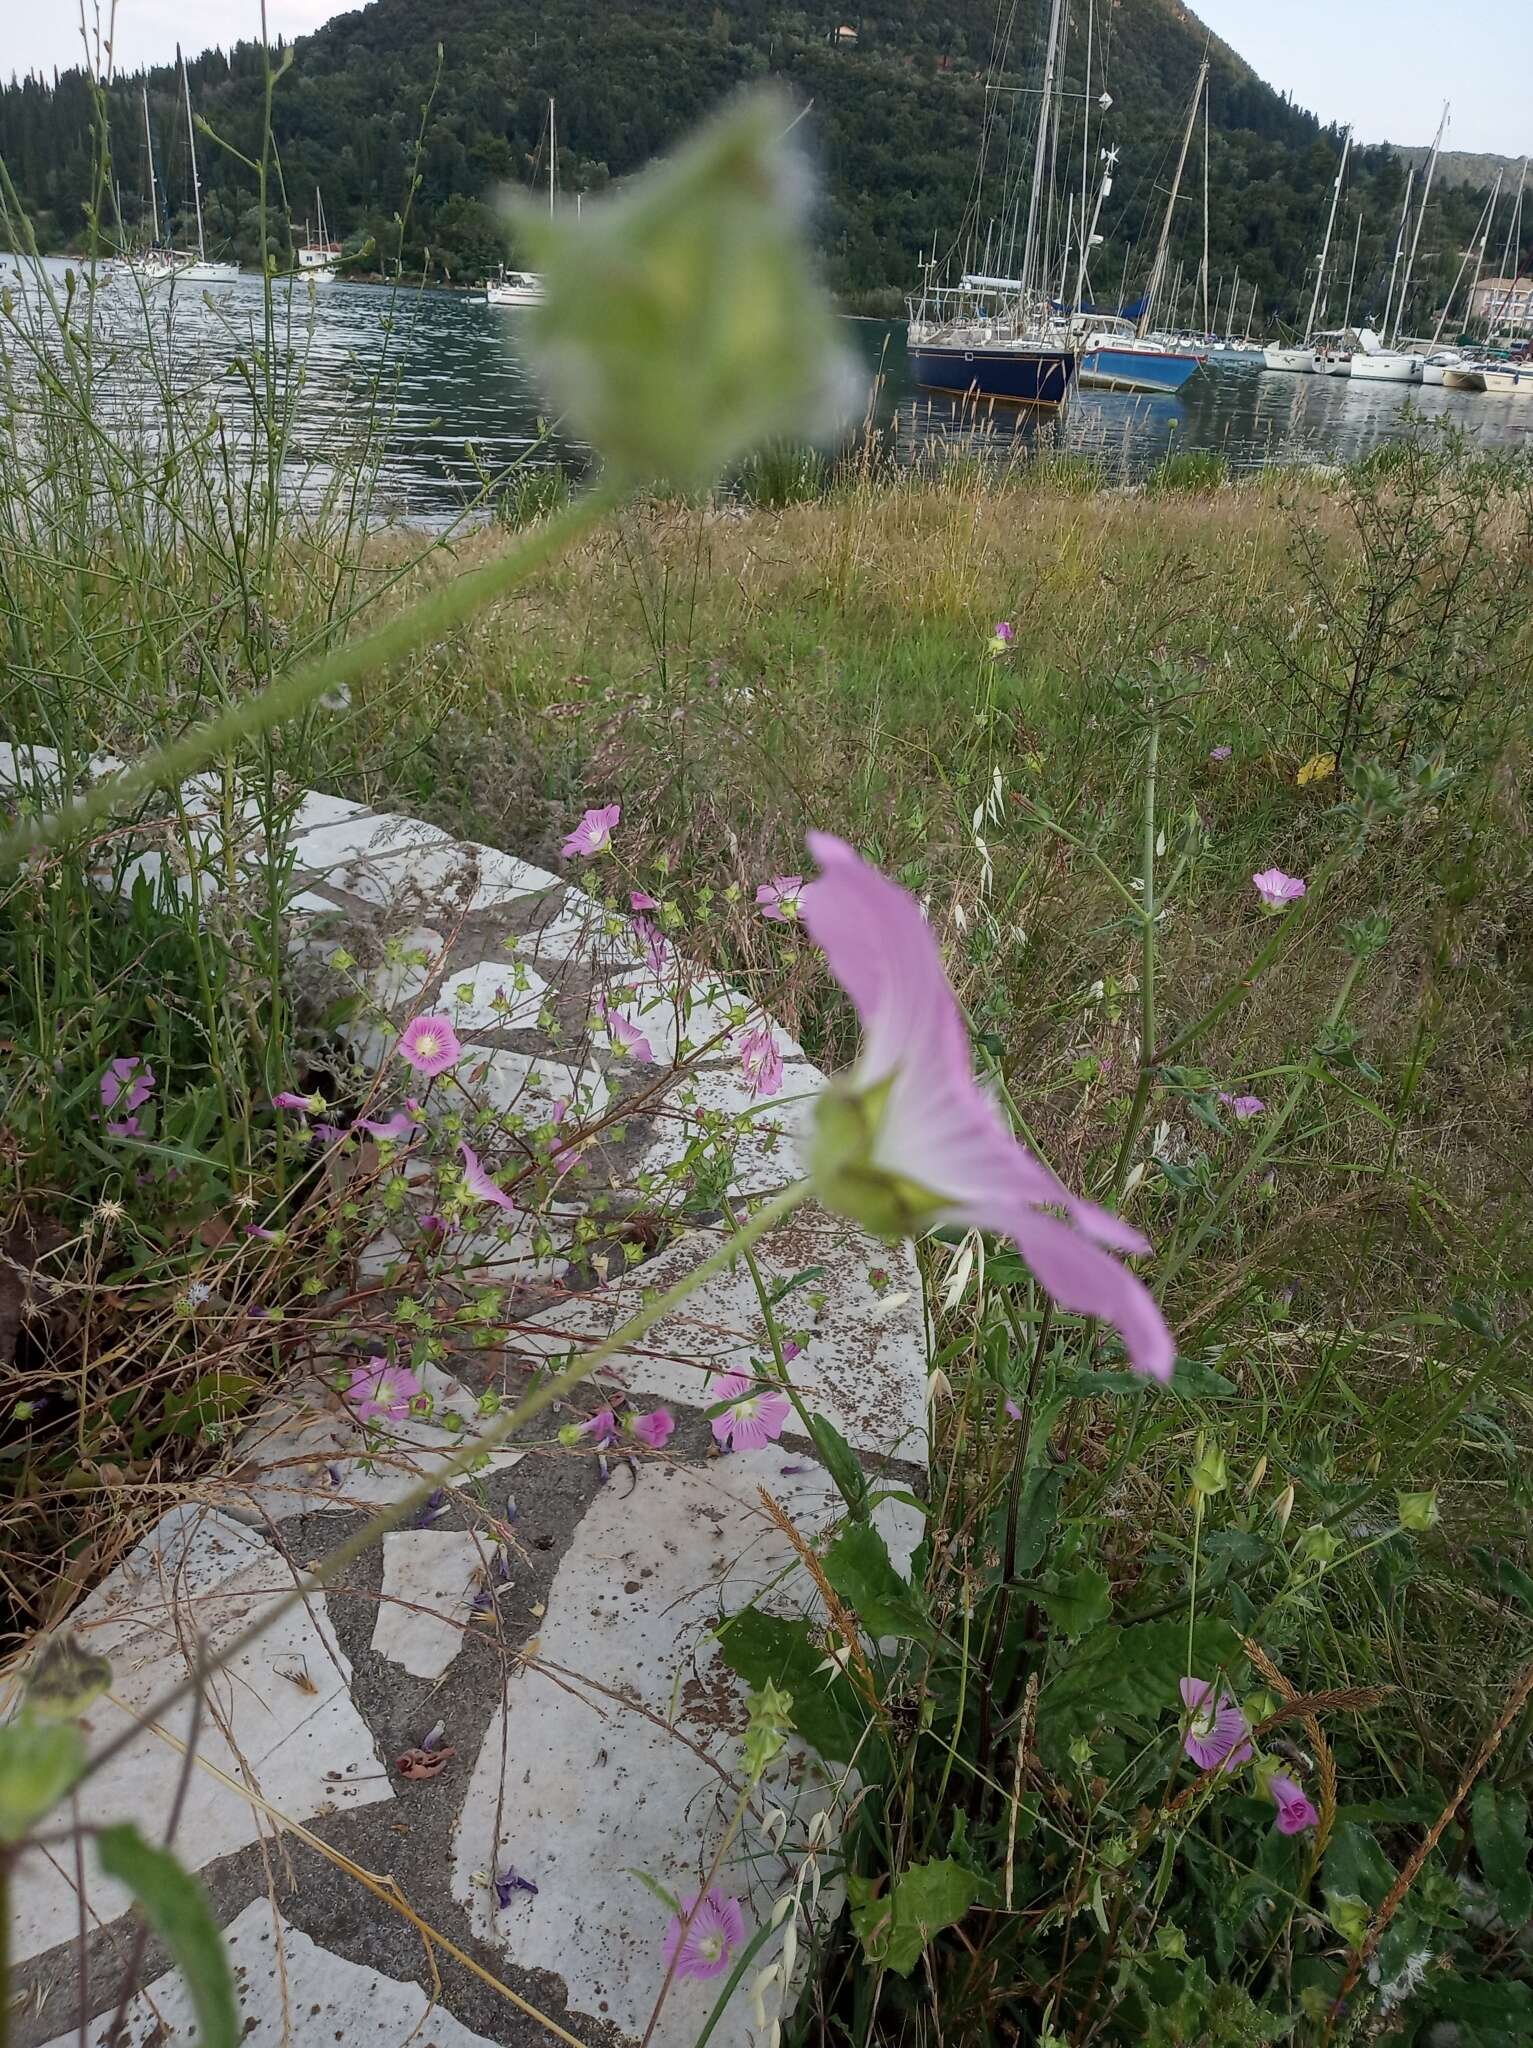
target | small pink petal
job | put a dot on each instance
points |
(593, 834)
(479, 1183)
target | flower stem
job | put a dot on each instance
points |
(1147, 909)
(462, 1461)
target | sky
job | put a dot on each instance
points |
(1386, 71)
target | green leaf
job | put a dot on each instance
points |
(1490, 2013)
(858, 1566)
(764, 1650)
(1501, 1842)
(1503, 1577)
(1037, 1513)
(1355, 1866)
(895, 1927)
(840, 1461)
(39, 1761)
(1131, 1673)
(1076, 1601)
(177, 1909)
(681, 324)
(1193, 1381)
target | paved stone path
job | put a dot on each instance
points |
(547, 1625)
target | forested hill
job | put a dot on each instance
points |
(896, 117)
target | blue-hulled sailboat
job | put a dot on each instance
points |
(1001, 337)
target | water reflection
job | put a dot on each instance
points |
(435, 378)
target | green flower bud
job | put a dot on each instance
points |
(1417, 1511)
(681, 324)
(1318, 1545)
(1210, 1475)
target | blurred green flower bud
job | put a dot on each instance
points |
(1417, 1511)
(1349, 1916)
(1210, 1474)
(681, 323)
(1318, 1545)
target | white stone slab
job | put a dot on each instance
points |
(317, 811)
(863, 1366)
(764, 1137)
(291, 1993)
(307, 1451)
(27, 768)
(280, 1717)
(494, 995)
(578, 931)
(589, 1790)
(429, 1580)
(361, 834)
(523, 1088)
(458, 878)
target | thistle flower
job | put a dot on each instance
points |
(778, 900)
(761, 1061)
(380, 1389)
(755, 1415)
(655, 1429)
(1217, 1737)
(1242, 1107)
(702, 1938)
(430, 1045)
(1295, 1810)
(478, 1182)
(1220, 753)
(1276, 889)
(909, 1140)
(593, 834)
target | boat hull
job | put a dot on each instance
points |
(1464, 377)
(209, 273)
(1300, 362)
(1508, 380)
(1021, 376)
(1125, 369)
(1389, 367)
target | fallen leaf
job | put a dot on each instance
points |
(1318, 768)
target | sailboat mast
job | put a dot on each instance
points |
(1346, 318)
(1394, 268)
(1476, 249)
(1513, 229)
(1206, 328)
(154, 204)
(1341, 168)
(1086, 148)
(553, 157)
(1157, 274)
(1426, 193)
(1040, 152)
(191, 144)
(1089, 235)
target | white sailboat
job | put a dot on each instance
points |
(1305, 359)
(199, 269)
(1440, 360)
(525, 287)
(317, 254)
(154, 264)
(1383, 364)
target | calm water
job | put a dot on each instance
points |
(440, 376)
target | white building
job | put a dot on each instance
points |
(1507, 302)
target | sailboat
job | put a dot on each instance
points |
(1392, 364)
(317, 254)
(996, 336)
(1440, 360)
(525, 287)
(1305, 359)
(199, 269)
(155, 263)
(1120, 356)
(1504, 367)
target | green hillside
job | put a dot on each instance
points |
(895, 117)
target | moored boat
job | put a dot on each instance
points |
(515, 288)
(1115, 358)
(1465, 376)
(1303, 361)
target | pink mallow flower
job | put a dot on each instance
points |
(910, 1141)
(1217, 1736)
(657, 948)
(760, 1061)
(702, 1938)
(306, 1105)
(1276, 889)
(593, 834)
(1242, 1107)
(380, 1389)
(778, 899)
(430, 1045)
(126, 1086)
(655, 1429)
(392, 1127)
(755, 1415)
(1002, 637)
(479, 1183)
(1220, 753)
(639, 899)
(602, 1426)
(627, 1039)
(1295, 1809)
